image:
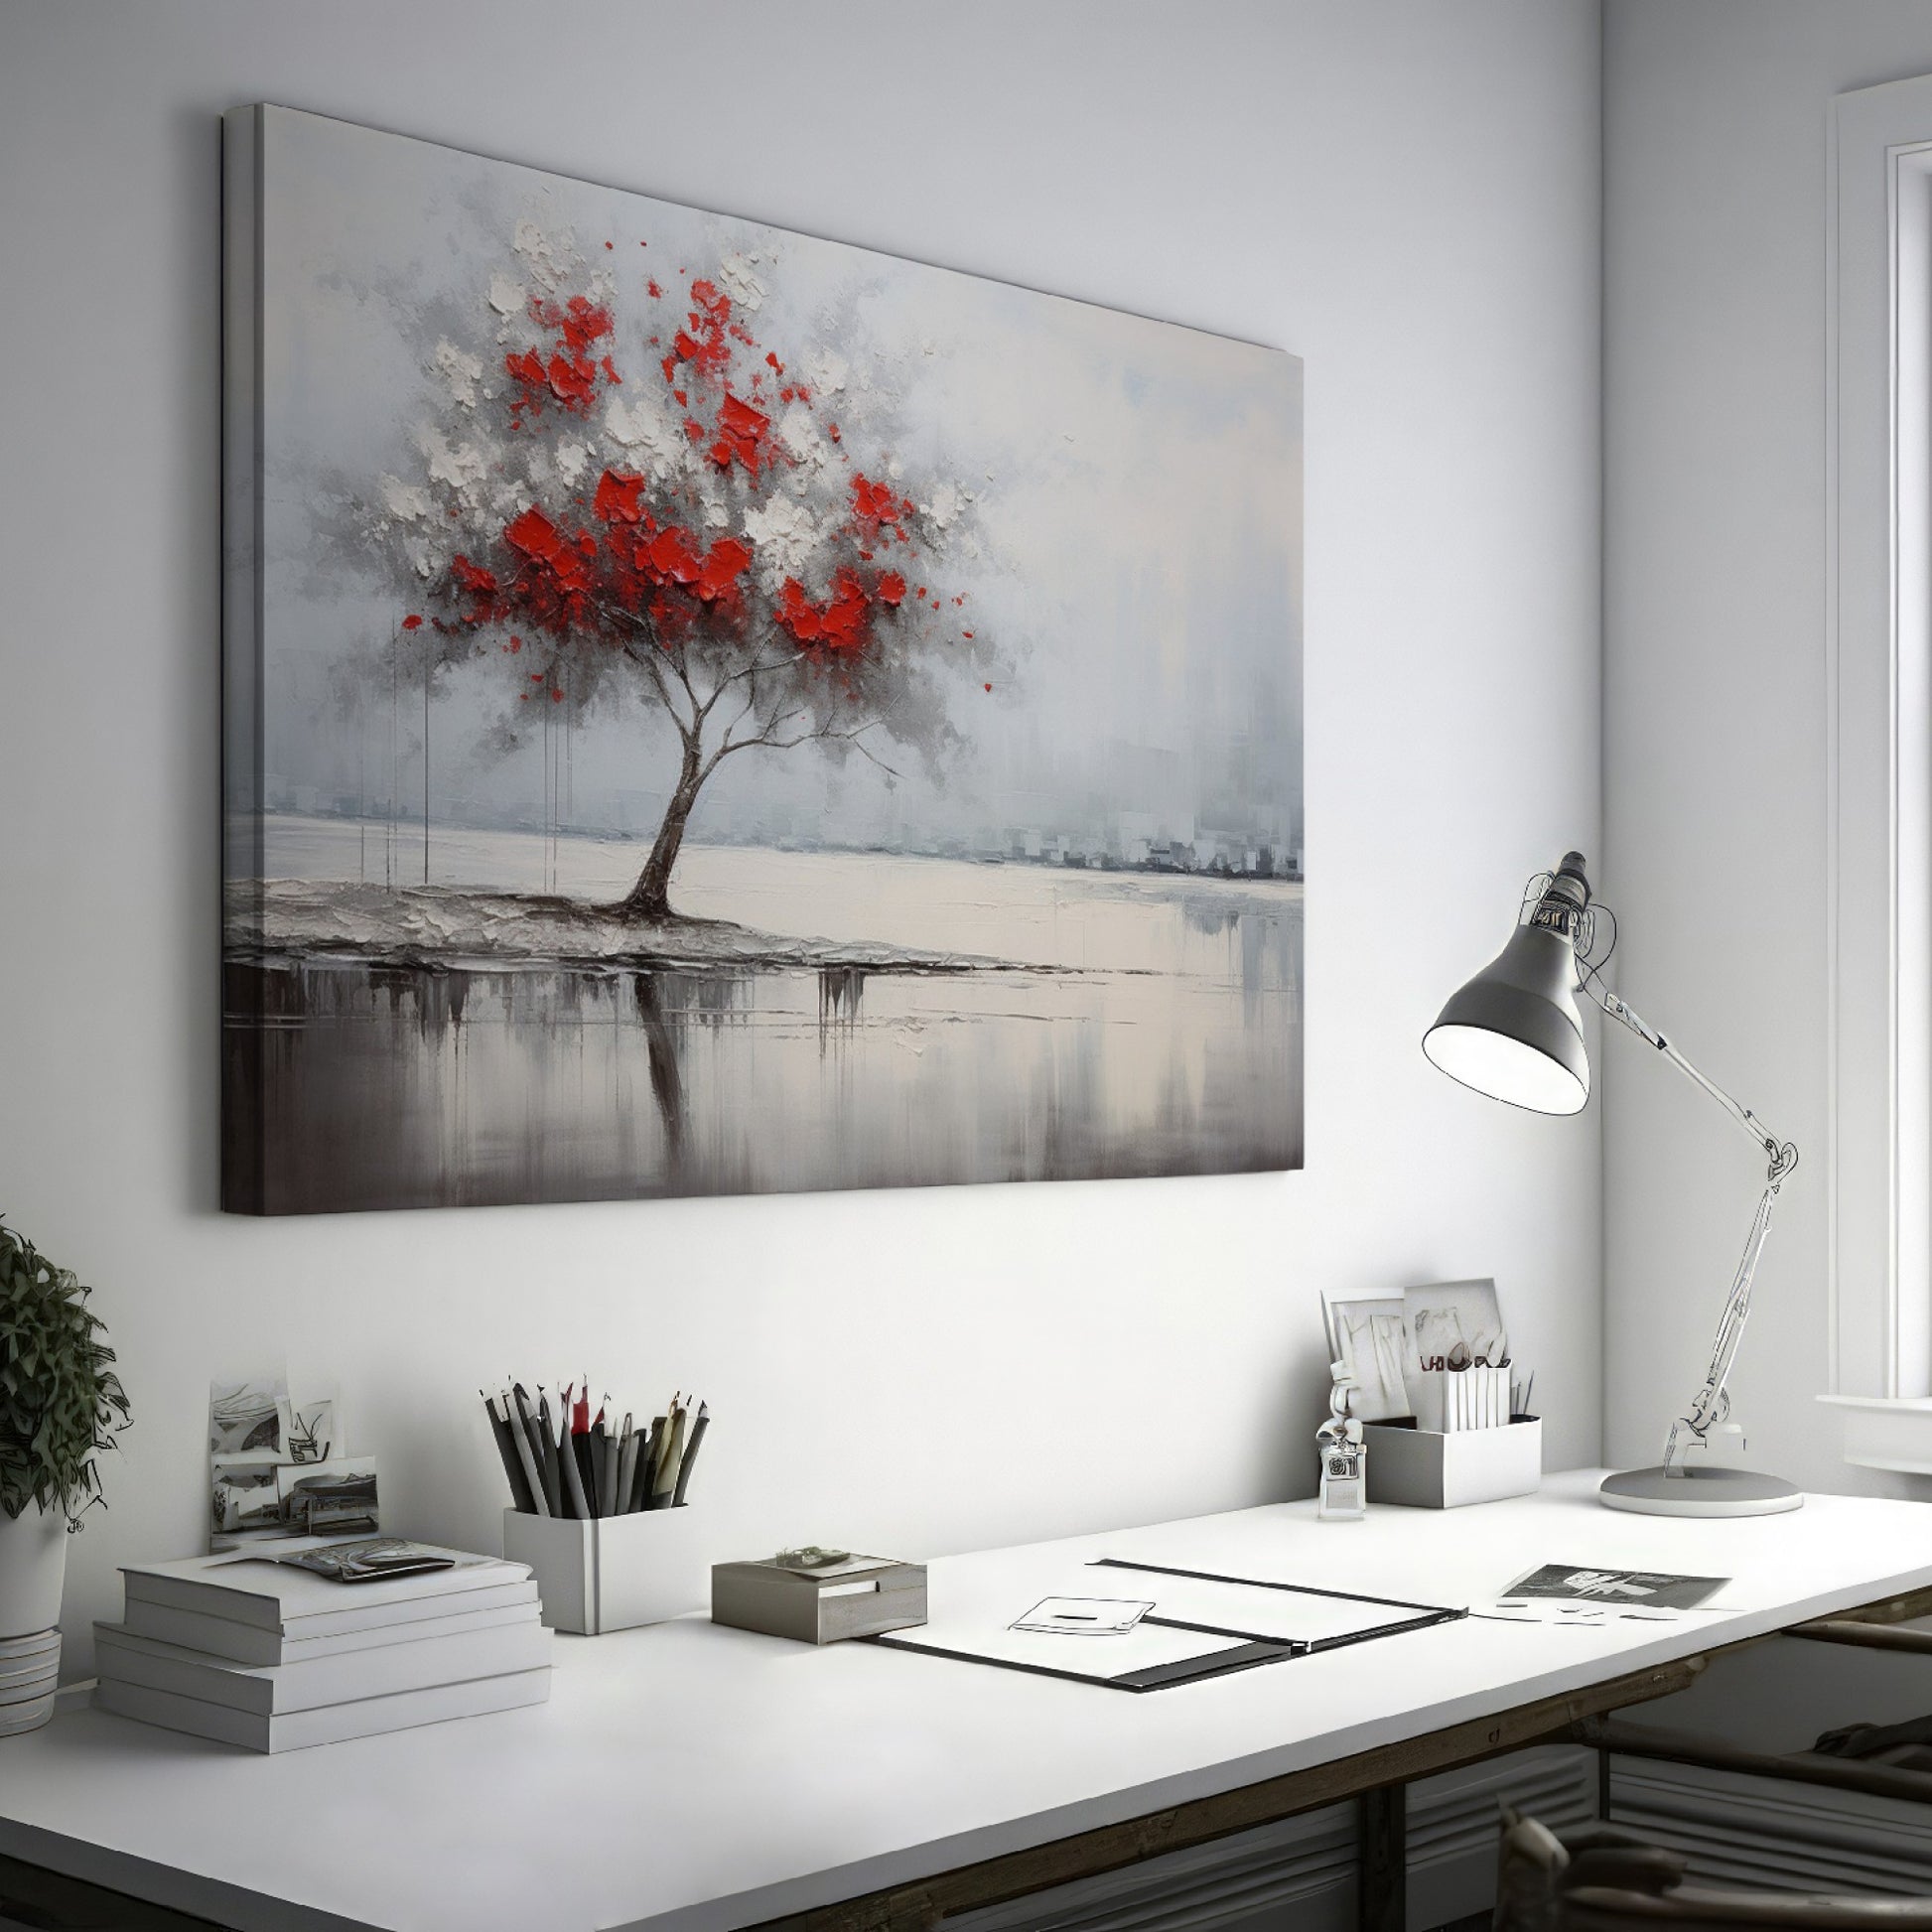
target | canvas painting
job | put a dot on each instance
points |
(712, 711)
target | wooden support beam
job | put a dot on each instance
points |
(1715, 1754)
(920, 1905)
(1866, 1636)
(1892, 1610)
(1382, 1860)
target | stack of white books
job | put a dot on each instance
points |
(252, 1650)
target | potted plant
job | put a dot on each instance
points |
(61, 1404)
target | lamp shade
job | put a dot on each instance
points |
(1513, 1031)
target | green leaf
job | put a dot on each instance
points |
(60, 1404)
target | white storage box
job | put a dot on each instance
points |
(611, 1573)
(1419, 1466)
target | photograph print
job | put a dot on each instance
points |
(714, 711)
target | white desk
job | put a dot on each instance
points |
(688, 1777)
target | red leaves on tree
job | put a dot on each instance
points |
(844, 623)
(558, 568)
(742, 431)
(412, 624)
(620, 497)
(670, 557)
(723, 566)
(875, 506)
(577, 323)
(574, 382)
(607, 561)
(535, 534)
(569, 375)
(705, 342)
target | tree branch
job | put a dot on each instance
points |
(824, 735)
(752, 671)
(647, 662)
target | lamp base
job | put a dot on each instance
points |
(1714, 1490)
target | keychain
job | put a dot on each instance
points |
(1343, 1452)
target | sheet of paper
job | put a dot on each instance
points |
(1146, 1646)
(1083, 1616)
(1647, 1589)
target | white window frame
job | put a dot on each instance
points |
(1878, 612)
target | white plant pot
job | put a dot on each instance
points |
(33, 1568)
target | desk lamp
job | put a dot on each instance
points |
(1514, 1033)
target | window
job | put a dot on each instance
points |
(1879, 484)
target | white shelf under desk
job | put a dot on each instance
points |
(686, 1777)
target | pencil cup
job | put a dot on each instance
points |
(611, 1573)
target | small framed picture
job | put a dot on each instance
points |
(246, 1497)
(308, 1430)
(1368, 1336)
(1455, 1325)
(244, 1419)
(330, 1498)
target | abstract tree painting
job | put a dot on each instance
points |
(715, 711)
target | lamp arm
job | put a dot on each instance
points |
(1781, 1153)
(1711, 1403)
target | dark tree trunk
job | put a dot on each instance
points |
(651, 898)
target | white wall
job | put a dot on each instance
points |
(1403, 192)
(1716, 142)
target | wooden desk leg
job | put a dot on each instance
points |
(1382, 1867)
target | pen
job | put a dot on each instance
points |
(626, 1464)
(530, 1454)
(599, 1483)
(521, 1496)
(553, 1487)
(663, 1489)
(572, 1461)
(584, 1466)
(608, 1500)
(646, 1466)
(698, 1429)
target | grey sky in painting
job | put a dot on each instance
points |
(1140, 520)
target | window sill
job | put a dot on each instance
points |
(1886, 1432)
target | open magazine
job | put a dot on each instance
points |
(370, 1560)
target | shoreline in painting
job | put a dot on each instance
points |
(464, 925)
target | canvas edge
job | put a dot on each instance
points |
(240, 829)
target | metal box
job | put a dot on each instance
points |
(611, 1573)
(858, 1598)
(1429, 1470)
